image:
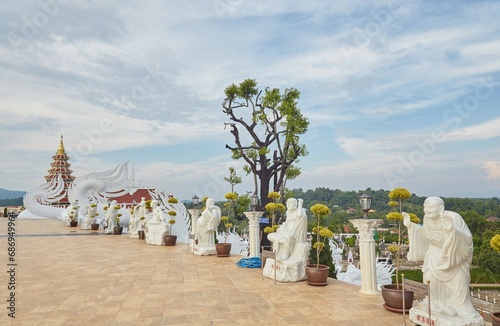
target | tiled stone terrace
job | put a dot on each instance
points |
(69, 276)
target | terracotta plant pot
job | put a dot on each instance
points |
(317, 276)
(73, 223)
(393, 298)
(170, 240)
(223, 249)
(94, 226)
(118, 230)
(495, 319)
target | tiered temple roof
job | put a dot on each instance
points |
(60, 166)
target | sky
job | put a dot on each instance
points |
(398, 93)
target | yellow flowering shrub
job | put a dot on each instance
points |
(173, 200)
(495, 242)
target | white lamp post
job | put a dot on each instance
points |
(194, 212)
(253, 226)
(367, 247)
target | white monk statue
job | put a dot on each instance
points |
(111, 215)
(290, 245)
(71, 213)
(90, 216)
(444, 244)
(156, 228)
(157, 213)
(138, 218)
(293, 230)
(140, 210)
(206, 226)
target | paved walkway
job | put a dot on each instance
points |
(64, 279)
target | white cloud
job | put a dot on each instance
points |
(483, 131)
(492, 169)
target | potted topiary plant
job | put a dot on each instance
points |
(117, 229)
(274, 207)
(171, 239)
(393, 293)
(72, 221)
(317, 273)
(224, 248)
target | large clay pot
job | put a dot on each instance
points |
(223, 249)
(317, 275)
(495, 319)
(73, 223)
(141, 234)
(118, 230)
(393, 298)
(170, 240)
(94, 226)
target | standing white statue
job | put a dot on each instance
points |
(290, 244)
(111, 215)
(293, 230)
(140, 210)
(138, 218)
(72, 213)
(90, 216)
(444, 243)
(206, 227)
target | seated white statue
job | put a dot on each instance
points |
(111, 215)
(444, 244)
(157, 213)
(156, 228)
(206, 227)
(293, 230)
(290, 244)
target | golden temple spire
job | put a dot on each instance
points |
(60, 150)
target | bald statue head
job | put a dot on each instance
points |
(433, 207)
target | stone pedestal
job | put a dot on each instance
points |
(420, 316)
(253, 232)
(367, 254)
(155, 233)
(195, 213)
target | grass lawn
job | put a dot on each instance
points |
(477, 275)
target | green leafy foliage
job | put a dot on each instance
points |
(266, 126)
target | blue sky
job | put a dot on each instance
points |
(398, 93)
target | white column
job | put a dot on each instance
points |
(195, 213)
(367, 254)
(253, 232)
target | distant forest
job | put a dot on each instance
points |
(12, 202)
(339, 200)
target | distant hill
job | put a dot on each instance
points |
(11, 194)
